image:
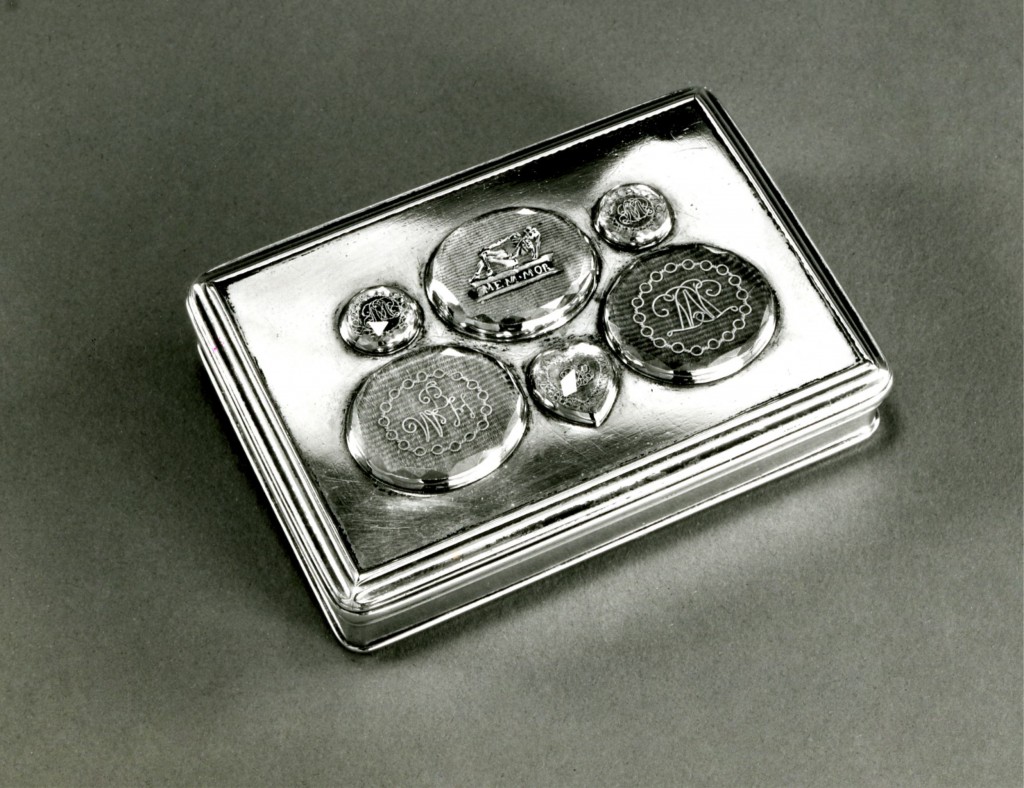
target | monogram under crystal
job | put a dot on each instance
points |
(633, 216)
(689, 314)
(381, 320)
(436, 420)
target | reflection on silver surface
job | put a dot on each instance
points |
(689, 314)
(380, 320)
(633, 216)
(511, 274)
(284, 312)
(576, 382)
(384, 563)
(436, 420)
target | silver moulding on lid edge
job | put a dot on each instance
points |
(385, 563)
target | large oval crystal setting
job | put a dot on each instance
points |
(689, 314)
(436, 419)
(512, 274)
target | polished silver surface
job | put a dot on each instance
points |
(384, 563)
(576, 381)
(436, 420)
(633, 216)
(511, 274)
(689, 314)
(381, 320)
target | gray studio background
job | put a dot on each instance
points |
(856, 624)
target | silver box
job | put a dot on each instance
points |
(384, 564)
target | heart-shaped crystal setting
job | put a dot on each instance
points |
(577, 382)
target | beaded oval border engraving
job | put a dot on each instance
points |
(705, 311)
(433, 419)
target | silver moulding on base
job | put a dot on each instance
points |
(385, 563)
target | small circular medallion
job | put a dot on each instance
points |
(689, 314)
(511, 274)
(633, 216)
(380, 320)
(436, 419)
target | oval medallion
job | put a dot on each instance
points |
(511, 274)
(689, 314)
(436, 419)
